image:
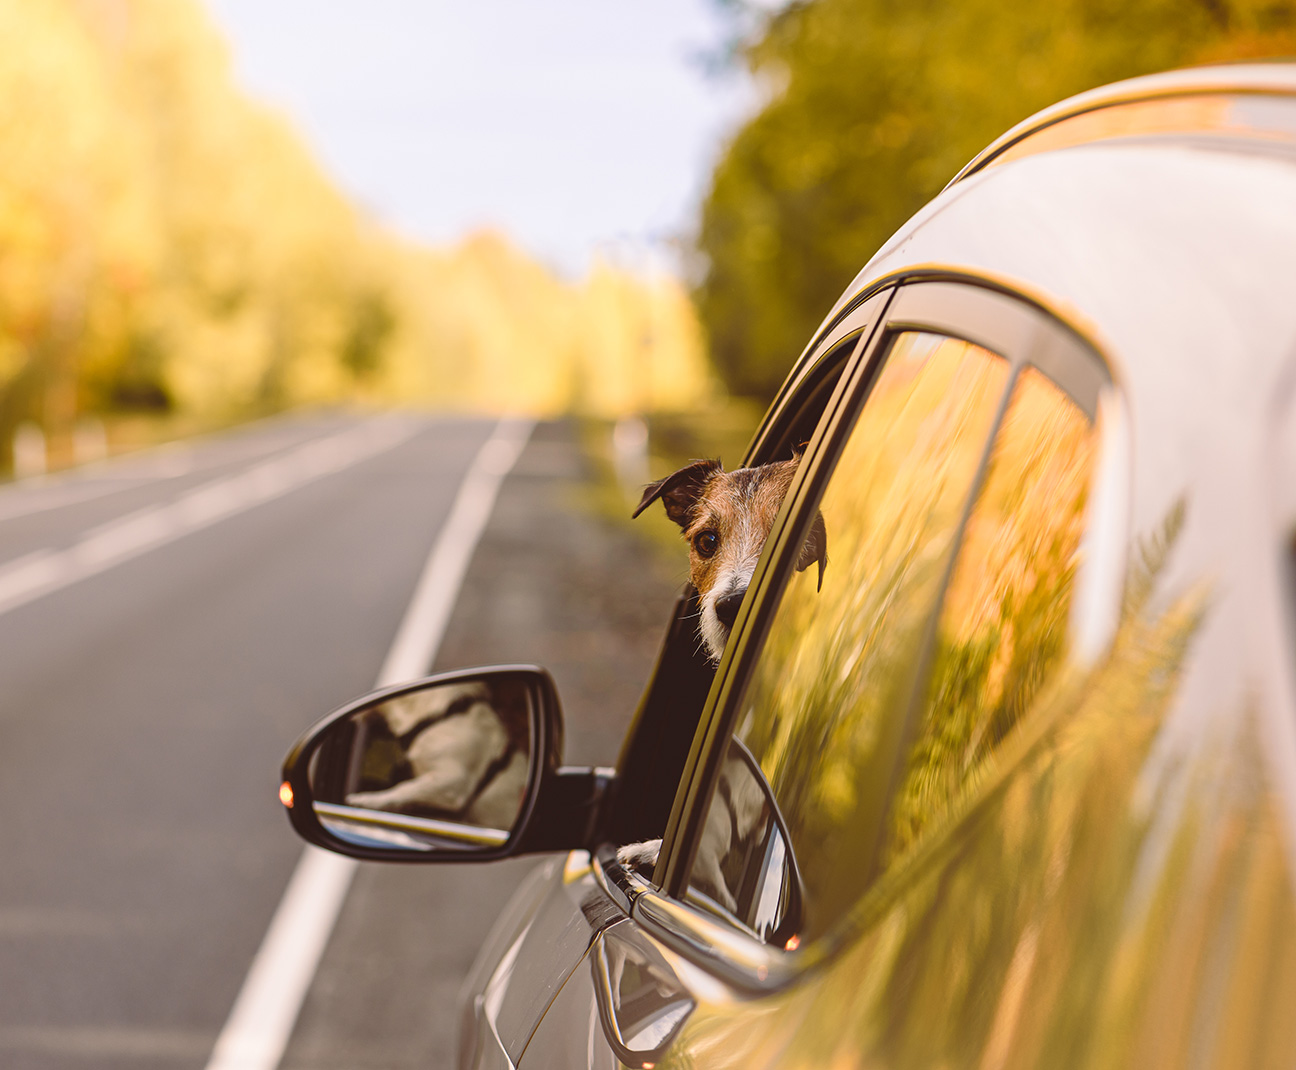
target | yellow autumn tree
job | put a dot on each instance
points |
(168, 244)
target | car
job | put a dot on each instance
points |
(1017, 785)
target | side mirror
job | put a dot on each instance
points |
(451, 768)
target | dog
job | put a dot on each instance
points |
(726, 518)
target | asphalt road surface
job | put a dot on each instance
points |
(168, 625)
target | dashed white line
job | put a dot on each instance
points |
(39, 494)
(44, 571)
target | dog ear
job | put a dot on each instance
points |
(815, 548)
(679, 491)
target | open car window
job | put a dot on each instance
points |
(657, 744)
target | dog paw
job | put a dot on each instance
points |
(640, 857)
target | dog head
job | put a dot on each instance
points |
(726, 518)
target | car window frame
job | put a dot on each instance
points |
(822, 367)
(973, 309)
(871, 313)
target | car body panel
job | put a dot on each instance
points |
(1265, 82)
(1118, 888)
(540, 939)
(571, 1034)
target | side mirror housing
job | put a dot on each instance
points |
(462, 766)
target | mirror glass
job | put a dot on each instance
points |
(641, 1001)
(745, 869)
(443, 766)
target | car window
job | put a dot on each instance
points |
(869, 713)
(837, 659)
(1003, 624)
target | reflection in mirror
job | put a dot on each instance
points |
(641, 1002)
(442, 766)
(745, 869)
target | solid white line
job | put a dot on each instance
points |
(420, 632)
(45, 571)
(38, 494)
(262, 1020)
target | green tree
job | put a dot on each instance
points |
(875, 104)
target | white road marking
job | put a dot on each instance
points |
(44, 571)
(103, 1042)
(262, 1020)
(39, 494)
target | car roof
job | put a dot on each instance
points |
(1229, 111)
(1165, 103)
(1173, 255)
(1170, 259)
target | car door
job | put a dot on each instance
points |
(545, 937)
(846, 725)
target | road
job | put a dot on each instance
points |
(168, 625)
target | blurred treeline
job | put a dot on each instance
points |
(169, 247)
(873, 105)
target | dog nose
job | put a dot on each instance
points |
(727, 607)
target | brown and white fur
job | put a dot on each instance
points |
(726, 518)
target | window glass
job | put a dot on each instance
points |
(1003, 624)
(863, 756)
(819, 715)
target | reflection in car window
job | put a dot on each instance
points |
(1004, 622)
(839, 663)
(862, 756)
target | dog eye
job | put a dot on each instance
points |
(706, 542)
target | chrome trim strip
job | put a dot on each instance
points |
(743, 963)
(468, 835)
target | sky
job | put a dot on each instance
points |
(581, 128)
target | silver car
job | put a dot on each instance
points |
(1016, 786)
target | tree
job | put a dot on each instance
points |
(875, 104)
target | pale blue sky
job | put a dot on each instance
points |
(576, 126)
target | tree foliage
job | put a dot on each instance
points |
(873, 105)
(167, 243)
